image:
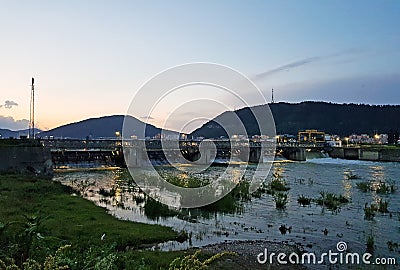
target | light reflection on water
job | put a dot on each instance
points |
(258, 218)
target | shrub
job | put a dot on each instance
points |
(193, 262)
(303, 200)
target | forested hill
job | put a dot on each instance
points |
(341, 119)
(103, 127)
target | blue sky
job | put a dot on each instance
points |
(90, 57)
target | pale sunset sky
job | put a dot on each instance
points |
(88, 58)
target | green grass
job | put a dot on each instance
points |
(67, 218)
(39, 217)
(18, 142)
(70, 217)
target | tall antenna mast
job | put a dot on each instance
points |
(272, 100)
(32, 112)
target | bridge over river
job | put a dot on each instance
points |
(67, 151)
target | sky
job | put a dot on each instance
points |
(89, 58)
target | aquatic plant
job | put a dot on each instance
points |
(380, 188)
(83, 185)
(107, 193)
(385, 188)
(139, 198)
(261, 190)
(154, 209)
(302, 181)
(393, 246)
(303, 200)
(383, 206)
(310, 181)
(370, 242)
(185, 180)
(351, 176)
(232, 202)
(369, 211)
(364, 186)
(280, 199)
(284, 229)
(331, 200)
(277, 185)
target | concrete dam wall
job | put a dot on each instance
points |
(26, 159)
(371, 154)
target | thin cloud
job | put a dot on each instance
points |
(287, 67)
(304, 62)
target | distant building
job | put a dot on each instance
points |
(239, 137)
(311, 135)
(362, 138)
(381, 138)
(262, 138)
(286, 138)
(333, 140)
(366, 139)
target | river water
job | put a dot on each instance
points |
(314, 227)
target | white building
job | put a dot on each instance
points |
(333, 140)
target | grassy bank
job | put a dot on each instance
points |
(38, 216)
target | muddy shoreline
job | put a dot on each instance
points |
(247, 252)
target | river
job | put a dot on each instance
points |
(313, 227)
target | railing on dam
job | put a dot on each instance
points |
(112, 144)
(111, 149)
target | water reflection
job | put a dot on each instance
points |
(241, 216)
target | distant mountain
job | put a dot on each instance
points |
(6, 133)
(341, 119)
(103, 127)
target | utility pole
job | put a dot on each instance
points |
(32, 112)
